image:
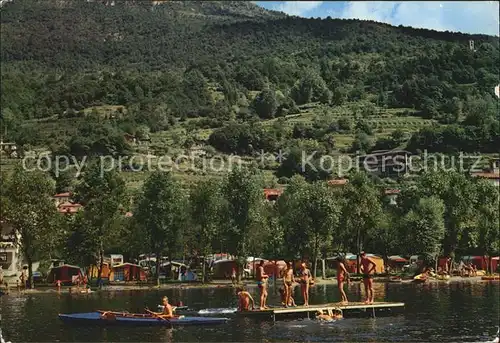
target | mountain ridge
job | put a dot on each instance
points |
(214, 61)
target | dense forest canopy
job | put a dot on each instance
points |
(167, 60)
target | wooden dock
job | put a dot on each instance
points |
(310, 310)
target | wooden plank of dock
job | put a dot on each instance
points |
(306, 310)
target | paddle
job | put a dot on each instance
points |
(156, 315)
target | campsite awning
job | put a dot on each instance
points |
(397, 258)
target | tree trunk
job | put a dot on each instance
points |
(253, 268)
(239, 270)
(323, 267)
(203, 271)
(101, 264)
(315, 258)
(31, 285)
(315, 265)
(157, 262)
(358, 248)
(275, 276)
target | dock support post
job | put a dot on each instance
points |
(373, 308)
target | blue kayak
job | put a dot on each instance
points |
(130, 319)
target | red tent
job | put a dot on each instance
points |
(495, 262)
(64, 273)
(396, 261)
(480, 262)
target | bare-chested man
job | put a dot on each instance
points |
(262, 284)
(368, 270)
(168, 310)
(288, 281)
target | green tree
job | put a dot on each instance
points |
(265, 104)
(101, 193)
(310, 216)
(361, 211)
(362, 143)
(30, 210)
(161, 213)
(242, 193)
(488, 234)
(422, 228)
(205, 213)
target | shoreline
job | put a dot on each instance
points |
(219, 284)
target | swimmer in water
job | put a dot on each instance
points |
(329, 315)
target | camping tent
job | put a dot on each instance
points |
(65, 273)
(481, 262)
(223, 268)
(106, 273)
(396, 262)
(128, 272)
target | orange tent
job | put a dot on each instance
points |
(107, 273)
(128, 272)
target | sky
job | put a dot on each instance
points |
(462, 16)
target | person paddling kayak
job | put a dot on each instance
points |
(168, 310)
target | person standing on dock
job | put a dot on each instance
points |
(288, 281)
(342, 275)
(368, 269)
(262, 278)
(305, 280)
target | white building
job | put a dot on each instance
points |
(10, 253)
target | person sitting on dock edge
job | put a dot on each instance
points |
(262, 278)
(244, 300)
(368, 269)
(305, 280)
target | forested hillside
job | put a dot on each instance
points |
(76, 75)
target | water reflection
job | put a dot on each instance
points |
(438, 312)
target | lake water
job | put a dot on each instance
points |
(437, 312)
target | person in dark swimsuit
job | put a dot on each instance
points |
(305, 280)
(262, 284)
(342, 275)
(368, 269)
(288, 281)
